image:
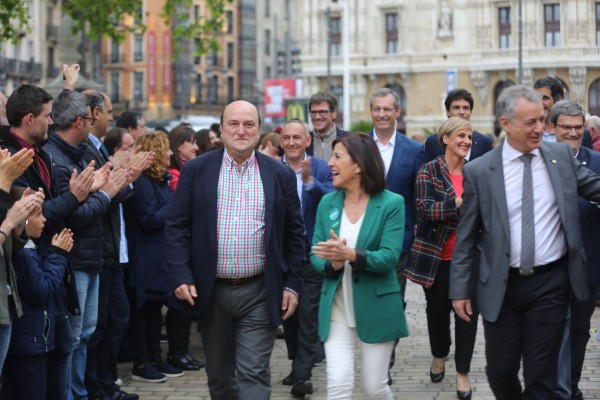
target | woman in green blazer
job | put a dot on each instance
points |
(357, 241)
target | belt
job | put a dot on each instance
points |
(540, 268)
(238, 281)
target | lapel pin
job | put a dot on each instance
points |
(553, 161)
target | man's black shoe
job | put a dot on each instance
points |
(184, 362)
(301, 388)
(121, 395)
(577, 395)
(288, 380)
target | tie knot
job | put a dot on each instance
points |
(526, 158)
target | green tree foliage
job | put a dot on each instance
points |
(102, 18)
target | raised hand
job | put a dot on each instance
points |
(63, 240)
(13, 166)
(81, 184)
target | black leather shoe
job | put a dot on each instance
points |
(437, 378)
(576, 395)
(121, 395)
(182, 362)
(464, 395)
(301, 388)
(193, 360)
(288, 380)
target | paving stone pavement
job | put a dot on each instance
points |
(410, 374)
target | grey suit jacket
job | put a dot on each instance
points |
(484, 220)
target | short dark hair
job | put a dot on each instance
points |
(324, 96)
(566, 107)
(363, 151)
(177, 136)
(26, 99)
(129, 119)
(114, 139)
(458, 94)
(555, 85)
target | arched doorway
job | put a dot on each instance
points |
(594, 98)
(396, 87)
(500, 86)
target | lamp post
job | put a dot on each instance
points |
(520, 72)
(346, 55)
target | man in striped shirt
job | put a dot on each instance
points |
(235, 248)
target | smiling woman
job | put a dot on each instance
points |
(438, 193)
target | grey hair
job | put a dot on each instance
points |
(297, 121)
(566, 107)
(594, 122)
(505, 106)
(385, 92)
(67, 107)
(96, 99)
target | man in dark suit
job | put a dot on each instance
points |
(459, 103)
(402, 158)
(313, 178)
(235, 248)
(531, 247)
(322, 108)
(568, 119)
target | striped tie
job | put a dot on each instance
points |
(527, 222)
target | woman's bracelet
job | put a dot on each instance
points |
(4, 233)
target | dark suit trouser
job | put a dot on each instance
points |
(400, 265)
(530, 325)
(238, 335)
(113, 317)
(581, 313)
(301, 330)
(439, 308)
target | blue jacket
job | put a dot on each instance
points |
(401, 177)
(38, 280)
(145, 215)
(589, 219)
(86, 220)
(194, 215)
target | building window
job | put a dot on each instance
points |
(268, 73)
(597, 24)
(267, 42)
(198, 85)
(229, 89)
(335, 40)
(230, 55)
(391, 32)
(115, 87)
(196, 12)
(504, 28)
(138, 87)
(214, 59)
(213, 93)
(552, 24)
(267, 8)
(138, 48)
(229, 19)
(197, 58)
(114, 52)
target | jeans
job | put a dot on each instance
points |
(4, 342)
(83, 326)
(58, 360)
(339, 349)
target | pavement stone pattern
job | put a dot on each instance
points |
(410, 374)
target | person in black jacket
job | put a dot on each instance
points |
(28, 112)
(38, 280)
(67, 146)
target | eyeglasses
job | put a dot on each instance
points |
(569, 128)
(386, 110)
(322, 113)
(91, 119)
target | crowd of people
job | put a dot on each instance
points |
(108, 234)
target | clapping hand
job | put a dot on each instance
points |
(63, 240)
(334, 250)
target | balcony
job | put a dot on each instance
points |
(52, 71)
(21, 69)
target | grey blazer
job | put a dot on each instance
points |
(484, 220)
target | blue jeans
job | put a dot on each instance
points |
(4, 342)
(83, 326)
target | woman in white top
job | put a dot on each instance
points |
(356, 244)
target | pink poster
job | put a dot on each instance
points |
(167, 62)
(151, 61)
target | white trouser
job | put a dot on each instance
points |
(375, 357)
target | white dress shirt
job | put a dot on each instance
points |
(550, 242)
(386, 150)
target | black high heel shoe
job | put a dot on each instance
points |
(437, 378)
(463, 395)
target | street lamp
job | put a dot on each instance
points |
(346, 59)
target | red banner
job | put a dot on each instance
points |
(276, 92)
(167, 62)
